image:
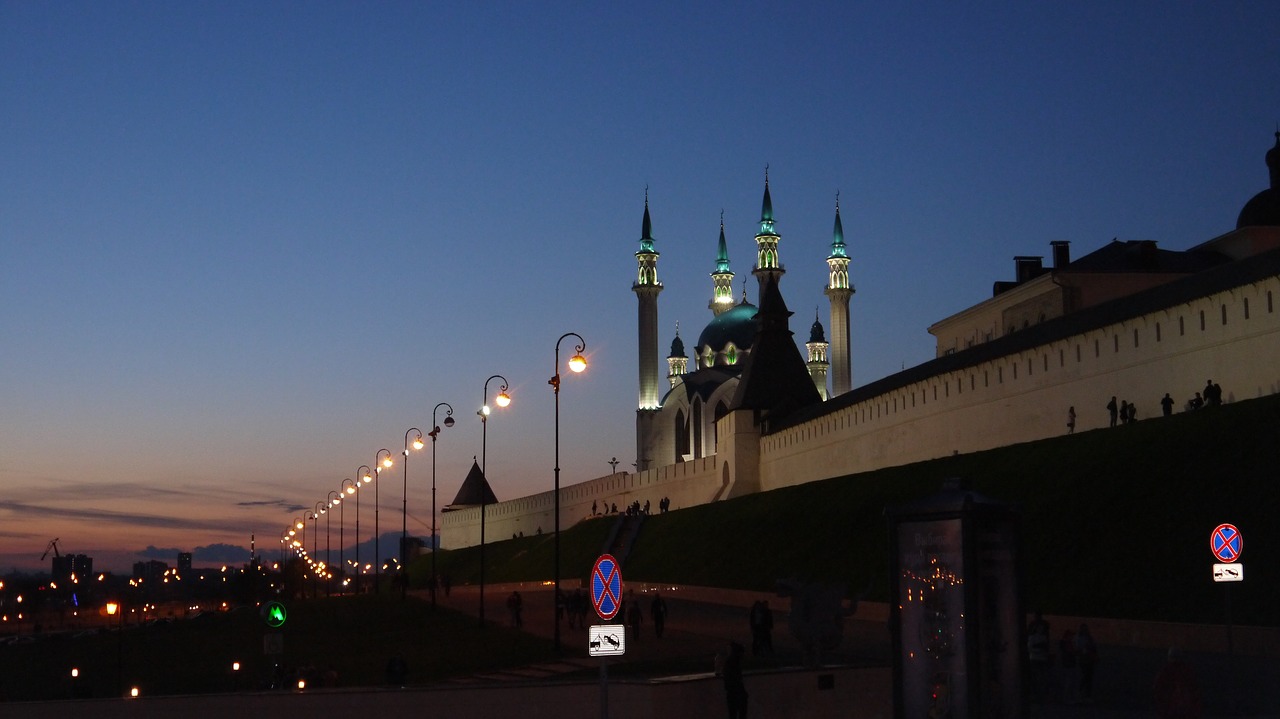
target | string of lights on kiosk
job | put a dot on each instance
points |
(931, 589)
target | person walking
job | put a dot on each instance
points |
(1071, 419)
(1113, 408)
(1166, 405)
(1087, 659)
(658, 612)
(735, 690)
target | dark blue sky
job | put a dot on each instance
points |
(245, 245)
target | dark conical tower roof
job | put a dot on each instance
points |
(1264, 208)
(775, 378)
(475, 490)
(816, 333)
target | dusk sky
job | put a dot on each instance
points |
(245, 245)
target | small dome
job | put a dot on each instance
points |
(677, 347)
(815, 332)
(1264, 209)
(736, 325)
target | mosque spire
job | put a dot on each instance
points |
(839, 291)
(767, 264)
(722, 278)
(647, 287)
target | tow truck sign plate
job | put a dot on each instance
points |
(606, 640)
(1233, 572)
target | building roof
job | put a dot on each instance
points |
(1264, 208)
(775, 379)
(735, 325)
(475, 490)
(1186, 289)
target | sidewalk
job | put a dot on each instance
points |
(702, 621)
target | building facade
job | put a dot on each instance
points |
(1129, 320)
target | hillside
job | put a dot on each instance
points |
(1115, 523)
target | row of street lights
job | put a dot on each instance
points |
(413, 438)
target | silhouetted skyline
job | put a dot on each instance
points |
(244, 247)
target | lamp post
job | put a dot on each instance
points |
(316, 511)
(342, 524)
(502, 400)
(334, 499)
(363, 476)
(404, 512)
(577, 363)
(435, 432)
(114, 608)
(380, 463)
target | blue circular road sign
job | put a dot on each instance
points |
(606, 587)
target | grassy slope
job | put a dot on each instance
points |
(1116, 522)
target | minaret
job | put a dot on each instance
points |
(647, 288)
(722, 278)
(677, 361)
(817, 346)
(839, 291)
(767, 265)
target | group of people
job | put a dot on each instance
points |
(1078, 657)
(1176, 691)
(574, 606)
(1125, 412)
(633, 509)
(1210, 396)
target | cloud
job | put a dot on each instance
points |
(154, 552)
(281, 503)
(221, 552)
(28, 511)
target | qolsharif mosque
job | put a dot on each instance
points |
(749, 412)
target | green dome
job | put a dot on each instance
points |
(736, 325)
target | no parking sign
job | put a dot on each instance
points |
(606, 587)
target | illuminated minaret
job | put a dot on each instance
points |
(767, 264)
(647, 288)
(722, 278)
(839, 291)
(817, 346)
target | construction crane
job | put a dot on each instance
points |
(53, 547)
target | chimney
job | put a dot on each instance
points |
(1027, 268)
(1061, 254)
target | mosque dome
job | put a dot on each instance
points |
(736, 325)
(1264, 208)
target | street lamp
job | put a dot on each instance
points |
(577, 363)
(334, 498)
(380, 463)
(404, 511)
(114, 608)
(316, 511)
(435, 432)
(342, 524)
(364, 475)
(502, 400)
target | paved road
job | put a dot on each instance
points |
(697, 630)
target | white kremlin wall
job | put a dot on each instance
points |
(1231, 337)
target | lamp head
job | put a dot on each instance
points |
(417, 443)
(577, 363)
(504, 399)
(448, 421)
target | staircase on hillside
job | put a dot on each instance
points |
(623, 536)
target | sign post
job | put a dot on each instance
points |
(1227, 544)
(606, 640)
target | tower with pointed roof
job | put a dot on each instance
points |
(818, 364)
(722, 278)
(768, 267)
(647, 288)
(839, 290)
(677, 361)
